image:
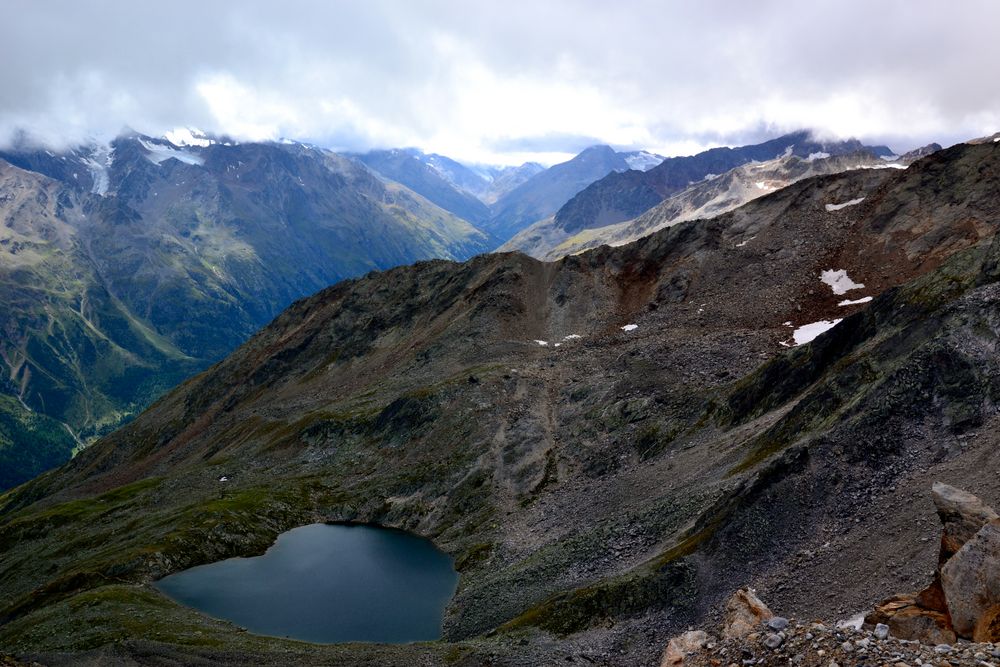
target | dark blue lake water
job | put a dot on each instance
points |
(326, 584)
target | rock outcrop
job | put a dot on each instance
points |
(680, 647)
(744, 614)
(962, 516)
(907, 618)
(964, 598)
(971, 583)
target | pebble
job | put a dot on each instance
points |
(778, 623)
(810, 645)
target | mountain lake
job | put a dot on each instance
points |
(327, 583)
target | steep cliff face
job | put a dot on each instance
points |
(608, 444)
(542, 195)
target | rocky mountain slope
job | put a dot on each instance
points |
(444, 187)
(954, 619)
(486, 182)
(126, 268)
(505, 179)
(502, 200)
(622, 196)
(609, 445)
(543, 194)
(715, 194)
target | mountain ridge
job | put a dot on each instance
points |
(713, 195)
(620, 197)
(183, 253)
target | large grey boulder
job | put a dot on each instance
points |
(971, 580)
(962, 516)
(961, 600)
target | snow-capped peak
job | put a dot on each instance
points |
(643, 160)
(158, 152)
(188, 136)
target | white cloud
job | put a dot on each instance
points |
(504, 81)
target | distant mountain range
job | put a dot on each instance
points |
(502, 200)
(486, 182)
(621, 196)
(712, 195)
(126, 268)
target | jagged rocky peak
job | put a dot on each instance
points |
(917, 153)
(990, 139)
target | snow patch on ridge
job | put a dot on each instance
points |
(643, 160)
(839, 281)
(630, 327)
(848, 302)
(837, 207)
(188, 136)
(893, 165)
(807, 332)
(157, 153)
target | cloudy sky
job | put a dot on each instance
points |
(503, 81)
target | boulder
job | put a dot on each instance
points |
(988, 627)
(907, 619)
(971, 580)
(682, 646)
(962, 516)
(745, 613)
(932, 597)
